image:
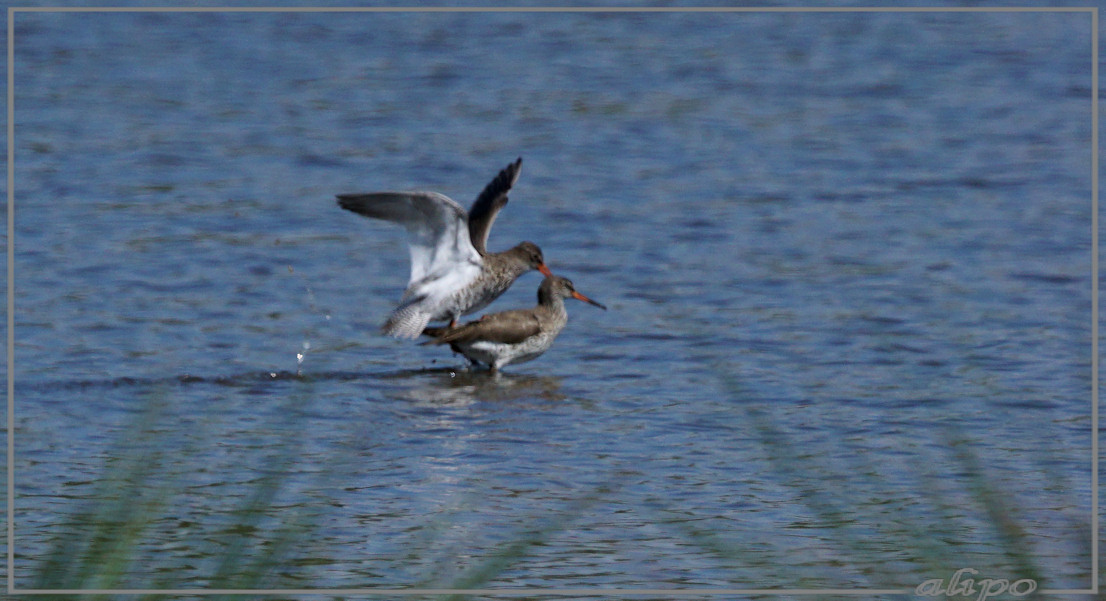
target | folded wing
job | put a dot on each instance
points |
(510, 327)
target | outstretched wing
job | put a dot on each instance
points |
(438, 228)
(487, 205)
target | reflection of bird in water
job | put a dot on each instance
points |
(452, 274)
(451, 386)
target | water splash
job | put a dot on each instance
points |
(313, 307)
(300, 357)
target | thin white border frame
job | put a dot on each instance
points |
(1093, 11)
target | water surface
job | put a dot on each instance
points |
(847, 260)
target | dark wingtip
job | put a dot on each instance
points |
(511, 172)
(345, 201)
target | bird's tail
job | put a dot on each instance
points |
(407, 321)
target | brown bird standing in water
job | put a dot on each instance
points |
(515, 336)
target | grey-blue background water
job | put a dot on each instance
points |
(842, 252)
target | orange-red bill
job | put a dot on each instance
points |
(578, 296)
(545, 270)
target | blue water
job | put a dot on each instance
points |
(838, 250)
